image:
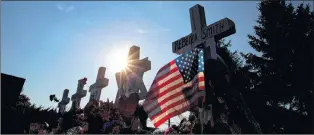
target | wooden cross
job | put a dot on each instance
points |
(65, 100)
(206, 35)
(80, 93)
(135, 67)
(101, 82)
(130, 81)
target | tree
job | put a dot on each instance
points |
(17, 118)
(229, 78)
(284, 68)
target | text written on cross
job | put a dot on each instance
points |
(220, 29)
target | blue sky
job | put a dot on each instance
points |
(53, 44)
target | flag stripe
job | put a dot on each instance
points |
(175, 107)
(169, 97)
(163, 96)
(176, 82)
(166, 66)
(171, 79)
(154, 88)
(189, 84)
(173, 111)
(166, 70)
(170, 115)
(165, 103)
(172, 102)
(169, 104)
(162, 78)
(174, 88)
(160, 95)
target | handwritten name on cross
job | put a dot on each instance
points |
(131, 81)
(202, 34)
(101, 82)
(65, 100)
(80, 93)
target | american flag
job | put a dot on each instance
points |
(176, 87)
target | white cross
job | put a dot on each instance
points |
(101, 82)
(131, 80)
(80, 93)
(202, 34)
(65, 100)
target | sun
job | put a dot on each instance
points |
(118, 59)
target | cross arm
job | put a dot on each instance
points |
(143, 64)
(82, 93)
(79, 94)
(103, 82)
(65, 101)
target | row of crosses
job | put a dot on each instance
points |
(131, 87)
(129, 83)
(94, 89)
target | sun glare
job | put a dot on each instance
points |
(118, 59)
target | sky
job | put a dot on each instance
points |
(53, 44)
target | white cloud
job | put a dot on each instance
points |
(65, 8)
(152, 30)
(141, 31)
(70, 8)
(60, 7)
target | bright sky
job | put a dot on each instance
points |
(54, 44)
